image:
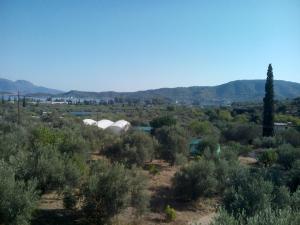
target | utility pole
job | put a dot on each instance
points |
(18, 107)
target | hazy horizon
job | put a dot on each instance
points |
(143, 89)
(139, 45)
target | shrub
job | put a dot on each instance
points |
(295, 200)
(243, 133)
(267, 142)
(244, 196)
(139, 193)
(201, 128)
(287, 155)
(291, 136)
(268, 157)
(153, 169)
(170, 213)
(135, 148)
(237, 148)
(281, 197)
(106, 194)
(264, 217)
(294, 176)
(17, 198)
(208, 147)
(69, 199)
(180, 159)
(162, 121)
(195, 180)
(172, 141)
(46, 165)
(109, 190)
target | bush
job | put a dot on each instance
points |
(153, 170)
(244, 196)
(287, 155)
(172, 141)
(109, 190)
(46, 165)
(139, 194)
(202, 128)
(264, 217)
(17, 198)
(268, 157)
(267, 142)
(180, 159)
(243, 133)
(237, 148)
(106, 194)
(208, 147)
(135, 148)
(162, 121)
(291, 136)
(195, 180)
(170, 213)
(294, 176)
(281, 197)
(69, 199)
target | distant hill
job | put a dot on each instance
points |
(234, 91)
(24, 87)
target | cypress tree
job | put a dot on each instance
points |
(268, 115)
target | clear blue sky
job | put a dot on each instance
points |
(129, 45)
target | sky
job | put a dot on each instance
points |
(101, 45)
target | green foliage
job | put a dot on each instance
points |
(17, 198)
(281, 197)
(244, 196)
(291, 136)
(170, 213)
(134, 148)
(287, 155)
(268, 157)
(266, 216)
(294, 175)
(236, 148)
(243, 133)
(140, 197)
(201, 128)
(69, 199)
(224, 115)
(162, 121)
(109, 190)
(173, 141)
(267, 142)
(153, 169)
(195, 180)
(208, 147)
(268, 113)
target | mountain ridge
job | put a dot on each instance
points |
(24, 87)
(233, 91)
(239, 90)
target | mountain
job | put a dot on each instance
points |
(234, 91)
(24, 87)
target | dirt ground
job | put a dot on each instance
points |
(247, 160)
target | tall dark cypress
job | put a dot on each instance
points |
(268, 115)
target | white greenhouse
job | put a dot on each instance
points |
(117, 127)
